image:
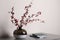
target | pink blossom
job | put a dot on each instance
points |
(25, 18)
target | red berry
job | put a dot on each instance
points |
(29, 5)
(12, 13)
(36, 15)
(12, 17)
(15, 20)
(39, 13)
(16, 24)
(43, 21)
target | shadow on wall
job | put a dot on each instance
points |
(3, 31)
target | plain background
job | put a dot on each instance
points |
(50, 13)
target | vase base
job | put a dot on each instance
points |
(20, 36)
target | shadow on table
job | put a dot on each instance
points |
(21, 39)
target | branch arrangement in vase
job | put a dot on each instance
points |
(25, 19)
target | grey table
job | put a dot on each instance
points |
(48, 37)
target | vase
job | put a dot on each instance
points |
(20, 33)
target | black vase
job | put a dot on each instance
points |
(20, 33)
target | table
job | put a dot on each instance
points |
(48, 37)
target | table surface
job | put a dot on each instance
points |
(48, 37)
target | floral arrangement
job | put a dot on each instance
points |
(25, 19)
